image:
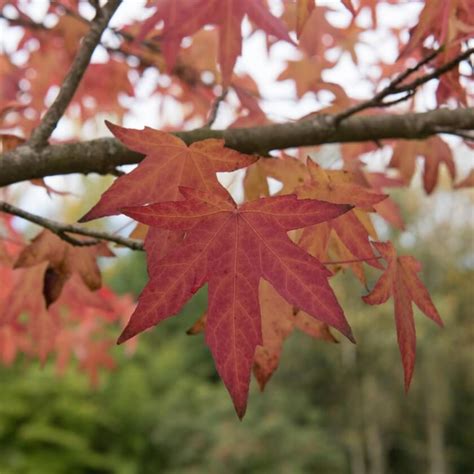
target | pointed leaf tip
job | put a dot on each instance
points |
(124, 337)
(114, 129)
(350, 336)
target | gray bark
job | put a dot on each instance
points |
(104, 154)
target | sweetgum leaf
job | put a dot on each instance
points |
(232, 248)
(169, 163)
(400, 280)
(303, 11)
(336, 187)
(435, 152)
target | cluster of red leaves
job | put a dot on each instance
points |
(157, 43)
(52, 303)
(182, 18)
(266, 262)
(26, 88)
(440, 24)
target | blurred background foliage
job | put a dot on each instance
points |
(330, 408)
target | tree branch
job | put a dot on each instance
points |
(395, 87)
(39, 137)
(215, 108)
(103, 155)
(63, 230)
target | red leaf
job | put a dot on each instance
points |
(231, 248)
(445, 21)
(400, 280)
(279, 319)
(184, 18)
(63, 260)
(169, 163)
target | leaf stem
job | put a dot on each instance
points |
(356, 260)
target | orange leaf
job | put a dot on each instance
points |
(303, 11)
(400, 280)
(279, 319)
(336, 187)
(63, 260)
(434, 151)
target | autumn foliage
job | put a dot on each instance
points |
(268, 259)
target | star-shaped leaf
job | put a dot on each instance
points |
(231, 248)
(279, 319)
(434, 150)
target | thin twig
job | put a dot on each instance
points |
(409, 89)
(356, 260)
(63, 230)
(389, 103)
(409, 71)
(152, 46)
(41, 134)
(439, 71)
(215, 108)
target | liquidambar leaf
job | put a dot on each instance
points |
(169, 163)
(435, 152)
(231, 248)
(401, 281)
